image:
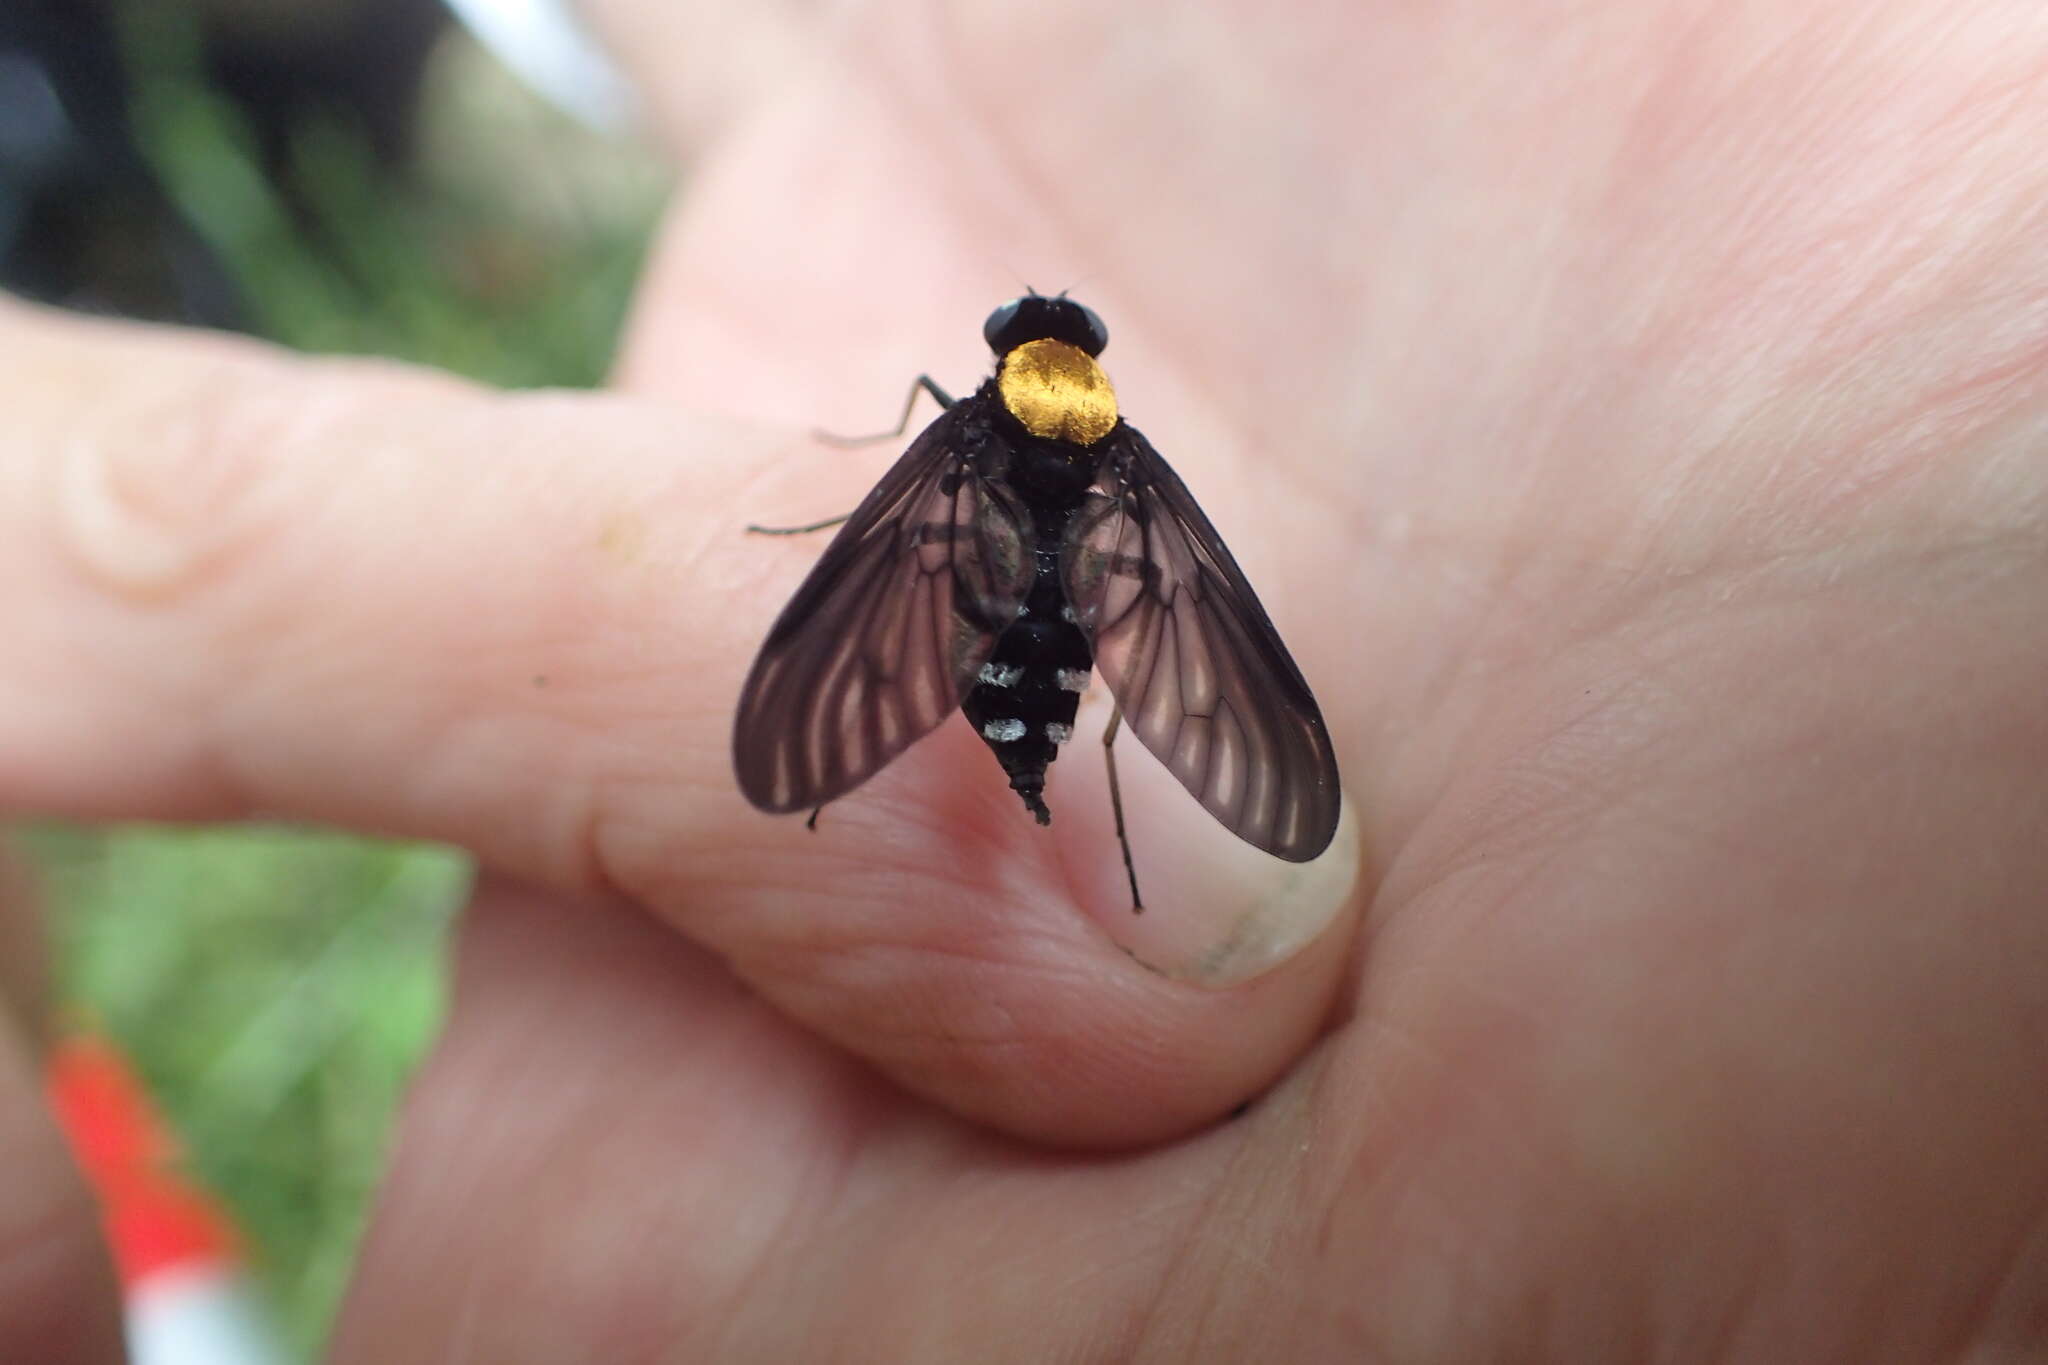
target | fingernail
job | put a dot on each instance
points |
(1217, 911)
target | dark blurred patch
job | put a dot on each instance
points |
(355, 65)
(289, 63)
(85, 219)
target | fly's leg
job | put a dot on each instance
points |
(923, 383)
(828, 522)
(1116, 804)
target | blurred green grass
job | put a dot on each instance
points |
(276, 987)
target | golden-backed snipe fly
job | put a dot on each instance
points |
(1029, 535)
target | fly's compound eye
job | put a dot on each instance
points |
(998, 322)
(1097, 335)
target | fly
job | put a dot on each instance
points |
(1028, 537)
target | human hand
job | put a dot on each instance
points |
(1628, 419)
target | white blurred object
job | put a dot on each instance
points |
(203, 1314)
(185, 1296)
(548, 47)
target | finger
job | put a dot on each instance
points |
(241, 583)
(58, 1297)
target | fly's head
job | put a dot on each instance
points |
(1047, 376)
(1036, 317)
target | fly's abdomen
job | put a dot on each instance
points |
(1024, 703)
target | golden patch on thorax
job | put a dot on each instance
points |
(1058, 392)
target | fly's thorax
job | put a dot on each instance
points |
(1057, 392)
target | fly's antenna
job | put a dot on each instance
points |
(1018, 276)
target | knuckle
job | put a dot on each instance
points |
(158, 493)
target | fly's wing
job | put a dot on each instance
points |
(1197, 669)
(889, 631)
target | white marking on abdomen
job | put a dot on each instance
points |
(1003, 731)
(1001, 675)
(1072, 679)
(1058, 733)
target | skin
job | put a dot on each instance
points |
(1632, 415)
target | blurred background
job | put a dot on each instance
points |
(452, 182)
